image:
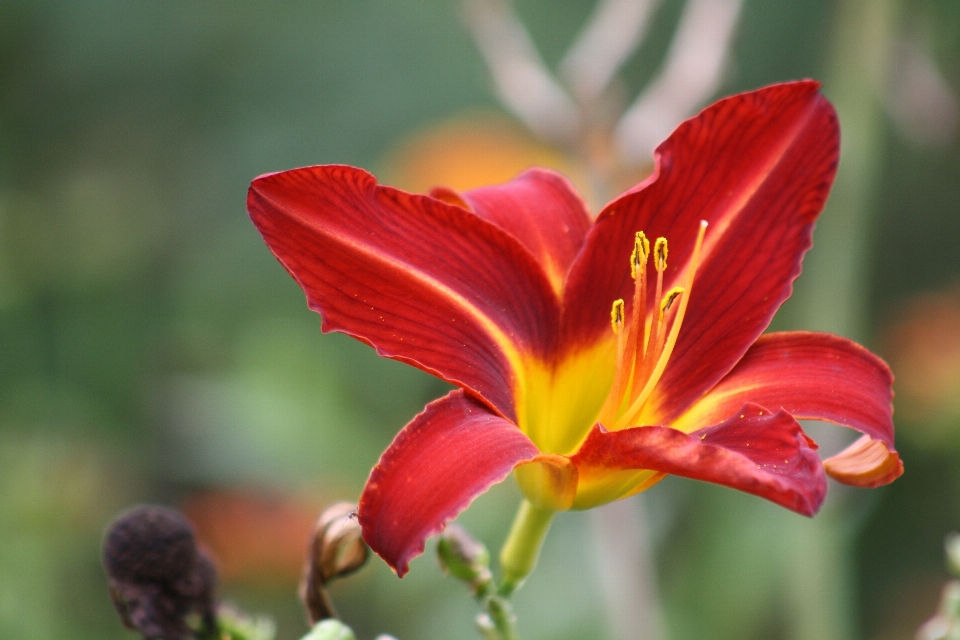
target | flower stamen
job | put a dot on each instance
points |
(620, 377)
(668, 300)
(665, 352)
(660, 253)
(645, 360)
(638, 271)
(616, 317)
(660, 262)
(641, 252)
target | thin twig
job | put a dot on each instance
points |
(523, 82)
(923, 107)
(691, 74)
(615, 29)
(628, 572)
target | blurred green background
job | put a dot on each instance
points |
(152, 350)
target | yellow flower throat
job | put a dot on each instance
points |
(559, 403)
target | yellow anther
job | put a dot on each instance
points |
(641, 251)
(616, 316)
(660, 254)
(668, 299)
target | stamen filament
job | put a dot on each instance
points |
(612, 403)
(660, 262)
(666, 303)
(634, 409)
(636, 342)
(627, 345)
(644, 362)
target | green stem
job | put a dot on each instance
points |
(522, 548)
(501, 616)
(486, 628)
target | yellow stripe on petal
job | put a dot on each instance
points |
(713, 408)
(600, 486)
(724, 216)
(497, 335)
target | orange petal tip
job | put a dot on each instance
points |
(866, 463)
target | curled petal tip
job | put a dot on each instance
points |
(866, 463)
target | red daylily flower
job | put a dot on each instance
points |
(586, 360)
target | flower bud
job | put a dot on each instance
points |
(464, 558)
(237, 625)
(338, 546)
(337, 549)
(330, 630)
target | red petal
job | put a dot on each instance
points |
(816, 376)
(436, 466)
(757, 451)
(813, 376)
(758, 167)
(544, 212)
(422, 281)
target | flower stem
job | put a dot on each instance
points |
(498, 623)
(522, 548)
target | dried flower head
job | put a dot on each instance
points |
(159, 579)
